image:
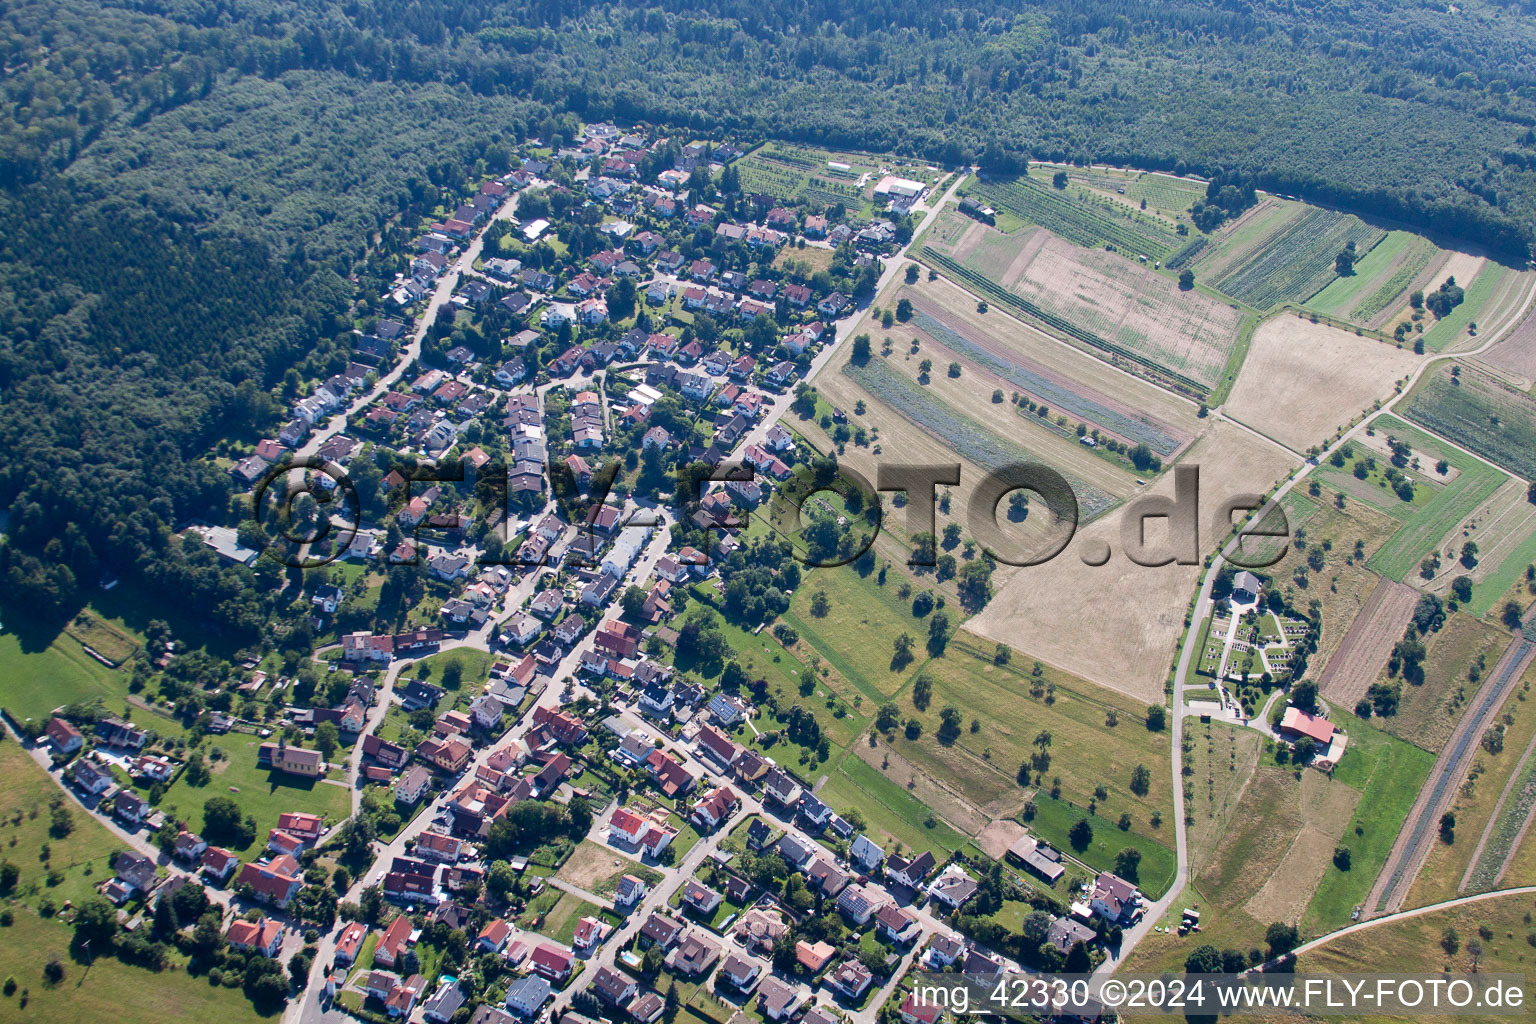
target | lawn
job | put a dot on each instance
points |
(474, 667)
(39, 672)
(1012, 707)
(107, 989)
(1388, 774)
(1054, 819)
(855, 636)
(1421, 533)
(261, 793)
(82, 858)
(561, 916)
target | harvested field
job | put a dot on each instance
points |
(1046, 385)
(1363, 652)
(995, 839)
(1116, 624)
(1267, 820)
(1303, 381)
(1295, 262)
(1286, 893)
(1480, 413)
(966, 437)
(1516, 353)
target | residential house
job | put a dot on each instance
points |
(218, 863)
(275, 881)
(350, 943)
(413, 785)
(851, 980)
(1115, 899)
(64, 737)
(740, 972)
(780, 1000)
(95, 779)
(897, 925)
(445, 1002)
(553, 962)
(700, 898)
(910, 873)
(953, 888)
(859, 903)
(661, 930)
(281, 757)
(614, 987)
(1065, 932)
(264, 936)
(716, 808)
(394, 941)
(526, 995)
(917, 1010)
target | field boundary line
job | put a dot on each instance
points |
(1493, 820)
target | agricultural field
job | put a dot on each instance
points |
(1388, 774)
(1504, 530)
(1124, 311)
(1415, 945)
(1116, 624)
(1448, 868)
(1165, 193)
(1302, 382)
(1086, 220)
(1296, 261)
(1476, 411)
(1222, 762)
(1515, 353)
(891, 812)
(1493, 297)
(1058, 392)
(1422, 532)
(1380, 280)
(1427, 712)
(983, 765)
(1362, 654)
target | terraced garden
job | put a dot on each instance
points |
(1077, 221)
(1297, 262)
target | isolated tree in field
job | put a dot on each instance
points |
(1157, 717)
(925, 367)
(1081, 835)
(951, 535)
(949, 725)
(820, 604)
(888, 715)
(1344, 262)
(1512, 615)
(1018, 507)
(904, 309)
(901, 649)
(1461, 588)
(1059, 179)
(1141, 780)
(1469, 554)
(1341, 857)
(1448, 828)
(911, 273)
(922, 693)
(954, 369)
(453, 675)
(1186, 279)
(1043, 739)
(1002, 654)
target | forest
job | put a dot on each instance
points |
(187, 185)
